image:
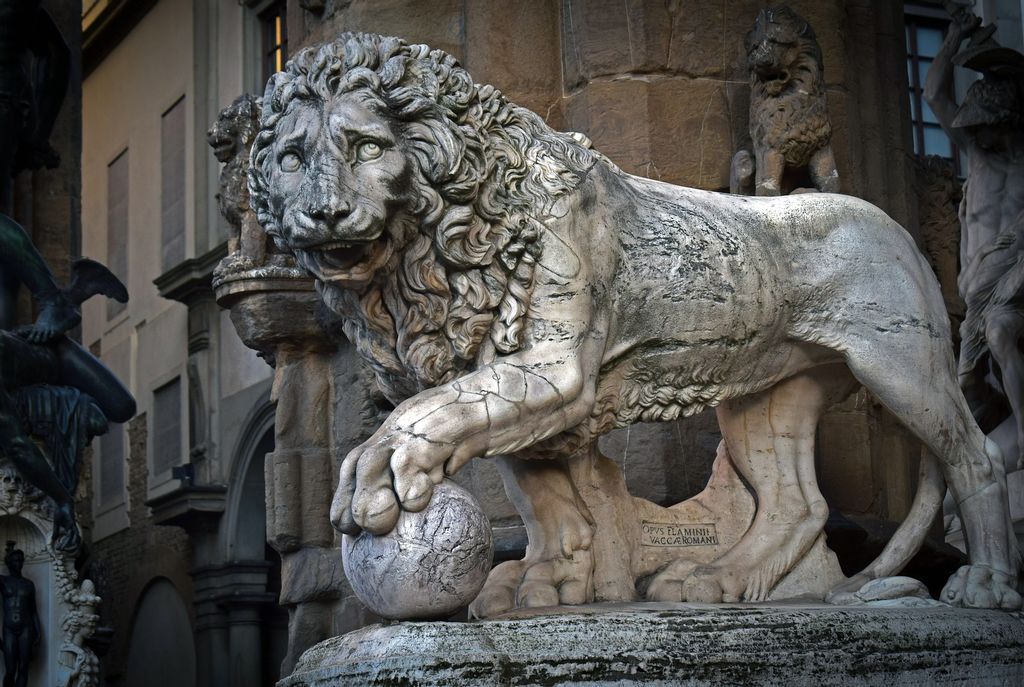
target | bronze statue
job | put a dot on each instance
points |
(50, 387)
(34, 64)
(21, 619)
(45, 377)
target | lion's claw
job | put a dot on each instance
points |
(415, 492)
(978, 586)
(376, 511)
(390, 473)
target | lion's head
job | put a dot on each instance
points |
(235, 128)
(415, 197)
(231, 137)
(782, 50)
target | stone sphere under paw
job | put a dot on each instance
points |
(433, 563)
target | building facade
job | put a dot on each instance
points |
(175, 504)
(178, 545)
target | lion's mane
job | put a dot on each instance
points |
(458, 286)
(790, 115)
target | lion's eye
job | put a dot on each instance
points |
(290, 162)
(368, 150)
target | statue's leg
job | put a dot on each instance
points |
(769, 167)
(56, 313)
(1004, 329)
(770, 436)
(10, 657)
(82, 370)
(24, 652)
(559, 564)
(822, 168)
(912, 375)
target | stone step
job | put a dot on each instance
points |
(682, 644)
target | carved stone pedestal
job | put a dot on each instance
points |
(66, 608)
(273, 310)
(682, 644)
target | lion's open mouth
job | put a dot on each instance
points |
(345, 261)
(340, 255)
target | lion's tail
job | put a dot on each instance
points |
(907, 540)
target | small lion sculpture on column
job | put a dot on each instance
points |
(518, 295)
(789, 121)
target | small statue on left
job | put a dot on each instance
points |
(21, 631)
(54, 395)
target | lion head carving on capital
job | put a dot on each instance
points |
(414, 196)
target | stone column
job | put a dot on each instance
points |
(276, 316)
(229, 600)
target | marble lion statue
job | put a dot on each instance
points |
(518, 295)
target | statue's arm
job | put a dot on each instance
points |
(938, 87)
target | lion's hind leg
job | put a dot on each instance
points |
(770, 437)
(559, 565)
(912, 375)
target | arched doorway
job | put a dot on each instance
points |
(161, 651)
(265, 641)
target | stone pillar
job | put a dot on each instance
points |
(276, 316)
(212, 644)
(229, 600)
(244, 612)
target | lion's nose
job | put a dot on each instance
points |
(331, 212)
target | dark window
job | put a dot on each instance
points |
(112, 467)
(167, 427)
(172, 186)
(925, 33)
(117, 225)
(273, 22)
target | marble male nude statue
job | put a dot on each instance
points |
(989, 126)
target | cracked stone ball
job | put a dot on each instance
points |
(433, 563)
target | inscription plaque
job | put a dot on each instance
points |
(678, 534)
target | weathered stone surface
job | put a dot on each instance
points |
(437, 23)
(938, 194)
(312, 573)
(665, 462)
(698, 105)
(431, 564)
(677, 644)
(496, 52)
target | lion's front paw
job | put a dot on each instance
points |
(978, 586)
(387, 474)
(567, 581)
